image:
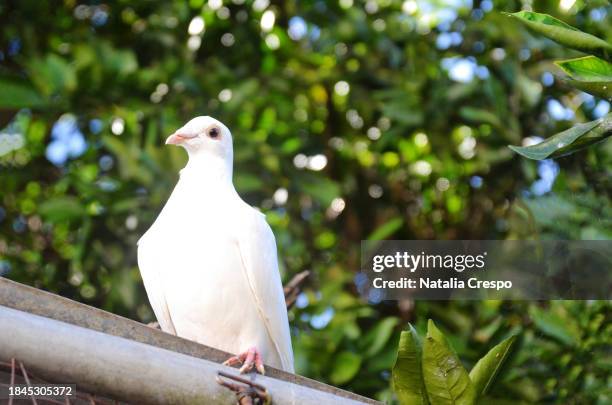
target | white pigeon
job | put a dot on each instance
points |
(209, 261)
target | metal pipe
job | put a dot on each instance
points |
(34, 301)
(128, 370)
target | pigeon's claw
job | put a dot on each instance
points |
(249, 359)
(232, 361)
(259, 366)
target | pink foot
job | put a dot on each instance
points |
(249, 359)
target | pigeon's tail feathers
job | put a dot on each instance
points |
(258, 253)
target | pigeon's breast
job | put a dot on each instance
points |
(205, 285)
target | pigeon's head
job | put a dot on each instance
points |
(203, 136)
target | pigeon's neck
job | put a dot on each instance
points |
(214, 170)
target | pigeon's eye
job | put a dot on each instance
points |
(214, 132)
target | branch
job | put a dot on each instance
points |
(294, 287)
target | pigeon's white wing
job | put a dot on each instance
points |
(258, 252)
(150, 270)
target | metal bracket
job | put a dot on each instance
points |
(247, 392)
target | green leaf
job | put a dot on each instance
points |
(346, 366)
(480, 115)
(247, 182)
(599, 89)
(128, 154)
(588, 68)
(61, 209)
(555, 325)
(434, 332)
(589, 74)
(563, 33)
(569, 141)
(52, 75)
(446, 380)
(407, 375)
(17, 93)
(321, 189)
(387, 229)
(120, 62)
(376, 338)
(551, 209)
(484, 372)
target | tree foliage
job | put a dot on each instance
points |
(589, 74)
(351, 120)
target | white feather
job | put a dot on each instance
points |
(209, 265)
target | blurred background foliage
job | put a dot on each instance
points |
(351, 120)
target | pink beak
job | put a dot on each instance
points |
(177, 139)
